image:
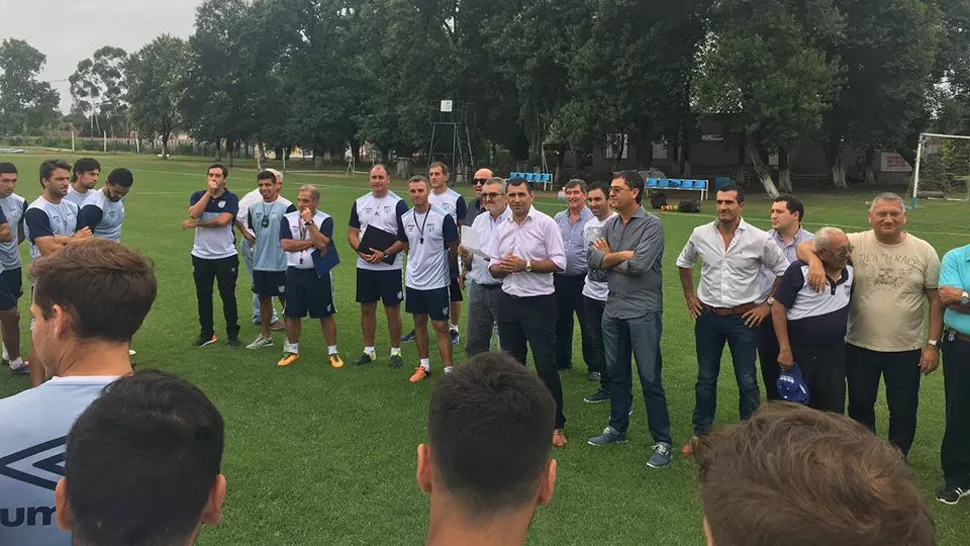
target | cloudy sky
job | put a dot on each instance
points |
(69, 31)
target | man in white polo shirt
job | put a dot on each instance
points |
(432, 241)
(214, 256)
(111, 304)
(247, 251)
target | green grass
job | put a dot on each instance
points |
(322, 456)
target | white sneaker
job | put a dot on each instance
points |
(260, 342)
(132, 352)
(6, 355)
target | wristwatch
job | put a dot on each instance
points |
(965, 299)
(528, 266)
(308, 223)
(933, 343)
(770, 301)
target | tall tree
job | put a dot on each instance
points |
(98, 88)
(156, 75)
(27, 105)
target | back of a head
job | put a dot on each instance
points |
(490, 424)
(117, 291)
(141, 462)
(800, 477)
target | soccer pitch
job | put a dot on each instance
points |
(319, 456)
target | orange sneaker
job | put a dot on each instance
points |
(420, 374)
(288, 358)
(336, 361)
(558, 438)
(688, 448)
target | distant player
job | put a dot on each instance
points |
(302, 233)
(432, 239)
(13, 207)
(104, 211)
(51, 222)
(83, 180)
(263, 220)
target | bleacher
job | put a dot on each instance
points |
(533, 178)
(681, 184)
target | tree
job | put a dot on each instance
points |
(98, 88)
(26, 104)
(763, 65)
(155, 87)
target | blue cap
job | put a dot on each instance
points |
(792, 387)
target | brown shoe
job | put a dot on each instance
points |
(688, 448)
(558, 438)
(277, 326)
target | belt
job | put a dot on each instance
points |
(729, 311)
(953, 334)
(489, 286)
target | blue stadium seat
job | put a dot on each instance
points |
(700, 184)
(674, 183)
(529, 177)
(651, 182)
(663, 183)
(547, 177)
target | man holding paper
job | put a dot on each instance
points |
(374, 224)
(483, 288)
(303, 233)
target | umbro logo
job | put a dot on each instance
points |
(41, 465)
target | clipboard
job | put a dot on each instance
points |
(377, 238)
(323, 263)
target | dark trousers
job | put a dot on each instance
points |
(594, 329)
(526, 320)
(569, 302)
(955, 453)
(224, 272)
(901, 370)
(768, 358)
(711, 331)
(640, 337)
(823, 369)
(482, 310)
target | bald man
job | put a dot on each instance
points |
(476, 207)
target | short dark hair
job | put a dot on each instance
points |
(84, 165)
(221, 167)
(601, 186)
(490, 426)
(575, 183)
(790, 471)
(634, 181)
(516, 182)
(118, 290)
(121, 177)
(439, 164)
(265, 175)
(48, 167)
(8, 168)
(732, 187)
(141, 461)
(793, 204)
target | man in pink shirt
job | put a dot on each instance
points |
(528, 249)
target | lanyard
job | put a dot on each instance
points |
(414, 214)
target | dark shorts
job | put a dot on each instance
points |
(379, 285)
(269, 283)
(455, 289)
(15, 281)
(8, 298)
(307, 294)
(434, 303)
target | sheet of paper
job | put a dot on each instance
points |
(469, 240)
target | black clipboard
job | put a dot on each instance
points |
(377, 239)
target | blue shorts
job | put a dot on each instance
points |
(269, 283)
(8, 298)
(15, 281)
(379, 285)
(307, 294)
(435, 303)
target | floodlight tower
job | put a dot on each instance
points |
(451, 138)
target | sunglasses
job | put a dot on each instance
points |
(491, 195)
(478, 181)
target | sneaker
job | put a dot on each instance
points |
(260, 342)
(203, 341)
(609, 437)
(448, 370)
(364, 359)
(132, 352)
(660, 457)
(277, 325)
(558, 438)
(288, 358)
(593, 376)
(409, 337)
(688, 448)
(396, 361)
(420, 374)
(952, 494)
(597, 397)
(336, 361)
(234, 342)
(23, 369)
(455, 338)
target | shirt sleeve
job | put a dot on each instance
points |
(196, 197)
(773, 257)
(688, 256)
(247, 214)
(931, 277)
(950, 271)
(555, 246)
(449, 230)
(354, 219)
(649, 249)
(285, 232)
(791, 284)
(461, 209)
(326, 228)
(89, 217)
(291, 208)
(232, 204)
(402, 235)
(38, 224)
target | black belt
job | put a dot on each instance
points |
(490, 286)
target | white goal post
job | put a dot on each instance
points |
(921, 147)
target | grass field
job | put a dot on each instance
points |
(322, 456)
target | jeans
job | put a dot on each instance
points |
(482, 313)
(526, 320)
(955, 452)
(594, 327)
(768, 358)
(901, 370)
(823, 369)
(249, 258)
(641, 337)
(224, 271)
(711, 331)
(569, 302)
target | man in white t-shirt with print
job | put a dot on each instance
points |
(111, 305)
(595, 290)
